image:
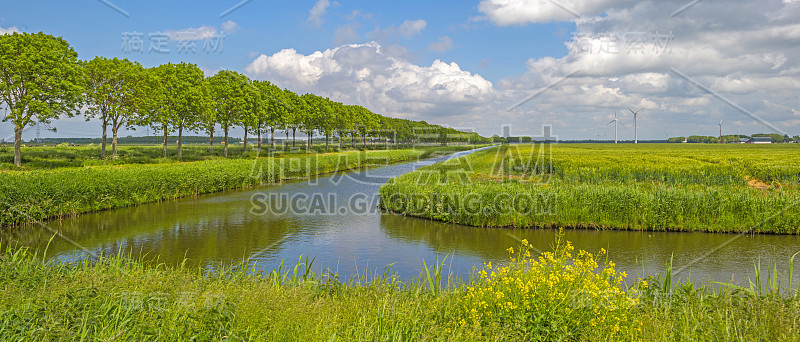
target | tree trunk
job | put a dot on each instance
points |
(364, 141)
(17, 146)
(103, 144)
(225, 151)
(294, 130)
(326, 141)
(353, 138)
(340, 141)
(180, 141)
(114, 130)
(259, 139)
(272, 138)
(286, 142)
(211, 143)
(245, 139)
(165, 140)
(310, 141)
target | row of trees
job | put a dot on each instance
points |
(776, 138)
(41, 79)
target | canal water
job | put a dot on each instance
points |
(335, 219)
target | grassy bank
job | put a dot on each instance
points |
(40, 194)
(729, 188)
(39, 157)
(558, 295)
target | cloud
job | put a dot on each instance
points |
(358, 14)
(202, 32)
(229, 27)
(412, 27)
(199, 33)
(317, 12)
(9, 30)
(517, 12)
(407, 29)
(744, 58)
(444, 44)
(376, 77)
(748, 60)
(347, 33)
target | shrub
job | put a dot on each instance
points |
(553, 297)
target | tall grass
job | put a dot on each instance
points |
(653, 188)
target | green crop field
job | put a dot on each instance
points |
(720, 188)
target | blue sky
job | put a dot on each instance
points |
(94, 28)
(464, 63)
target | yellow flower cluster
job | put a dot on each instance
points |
(555, 293)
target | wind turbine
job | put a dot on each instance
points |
(615, 122)
(720, 131)
(635, 132)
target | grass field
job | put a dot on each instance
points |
(718, 188)
(560, 295)
(37, 157)
(51, 192)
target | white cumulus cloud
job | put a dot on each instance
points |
(515, 12)
(376, 77)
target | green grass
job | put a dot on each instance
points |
(36, 157)
(728, 188)
(559, 295)
(26, 196)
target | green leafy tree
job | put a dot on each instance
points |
(343, 122)
(150, 103)
(183, 100)
(249, 116)
(312, 118)
(274, 110)
(111, 90)
(365, 121)
(294, 116)
(40, 79)
(208, 117)
(327, 119)
(227, 93)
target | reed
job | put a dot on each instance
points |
(721, 189)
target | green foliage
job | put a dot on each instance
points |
(40, 79)
(112, 91)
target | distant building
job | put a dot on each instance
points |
(761, 140)
(744, 140)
